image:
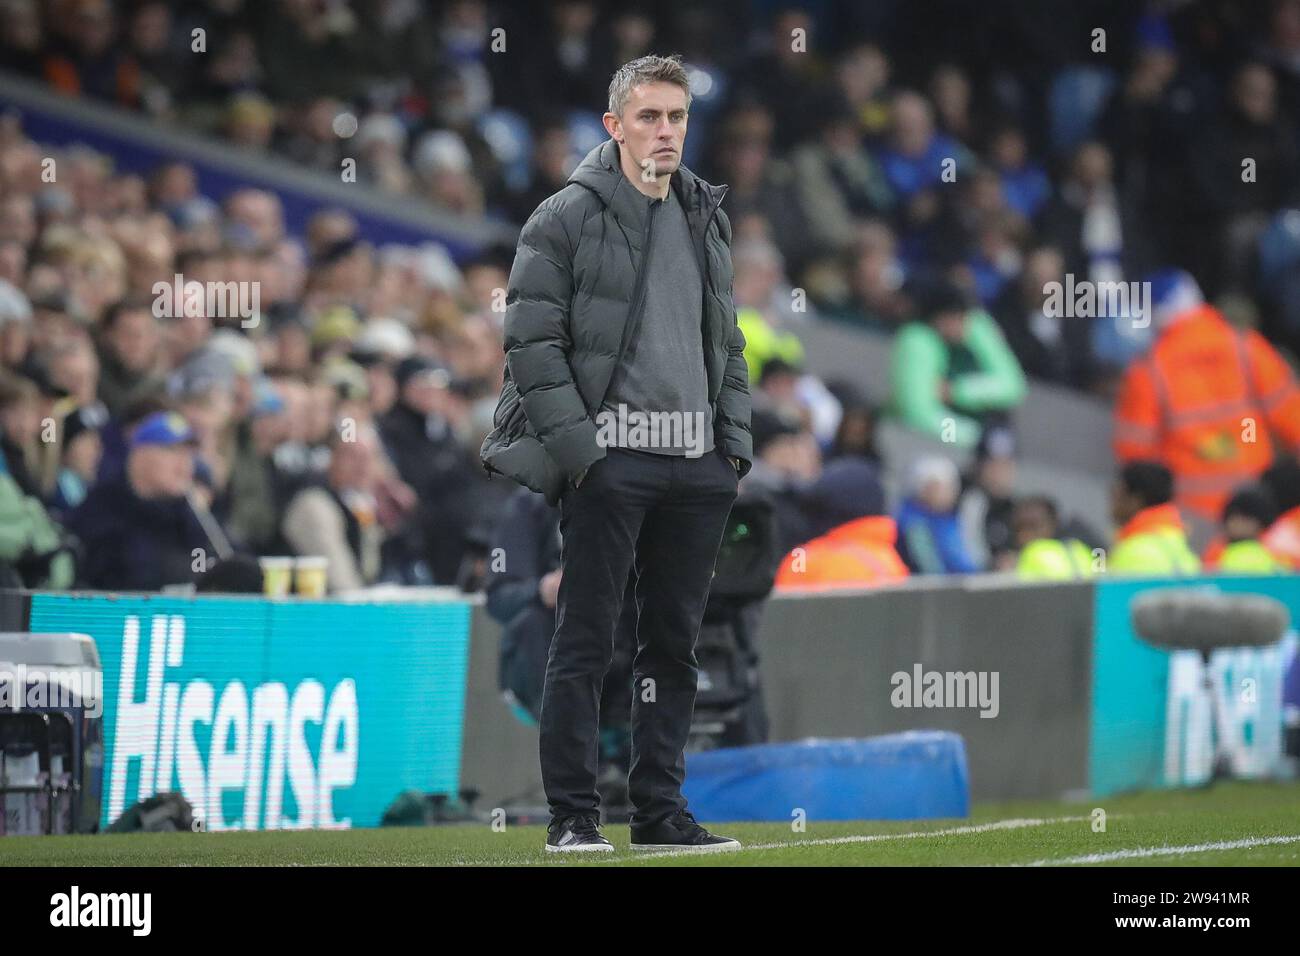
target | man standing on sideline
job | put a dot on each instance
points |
(626, 399)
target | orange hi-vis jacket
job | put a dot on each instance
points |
(1283, 538)
(1211, 402)
(858, 553)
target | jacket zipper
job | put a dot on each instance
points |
(638, 301)
(704, 279)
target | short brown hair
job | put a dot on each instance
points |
(646, 69)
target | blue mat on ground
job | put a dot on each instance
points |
(909, 776)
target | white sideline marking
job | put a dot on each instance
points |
(1014, 824)
(1166, 851)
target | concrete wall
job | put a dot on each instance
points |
(827, 663)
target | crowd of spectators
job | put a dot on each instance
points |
(345, 417)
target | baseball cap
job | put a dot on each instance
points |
(163, 428)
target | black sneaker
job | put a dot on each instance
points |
(576, 833)
(679, 832)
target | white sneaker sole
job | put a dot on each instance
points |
(581, 848)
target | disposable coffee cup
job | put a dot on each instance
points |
(277, 576)
(309, 576)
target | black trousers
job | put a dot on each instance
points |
(662, 518)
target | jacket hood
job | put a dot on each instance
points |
(601, 173)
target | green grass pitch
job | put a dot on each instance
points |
(1247, 824)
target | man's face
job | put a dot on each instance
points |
(939, 495)
(1239, 527)
(1123, 505)
(652, 128)
(162, 471)
(134, 338)
(1030, 523)
(77, 371)
(426, 393)
(83, 453)
(951, 326)
(998, 475)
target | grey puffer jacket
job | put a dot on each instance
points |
(574, 288)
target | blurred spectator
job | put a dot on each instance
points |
(929, 532)
(1044, 553)
(761, 186)
(867, 292)
(256, 493)
(139, 531)
(862, 78)
(1211, 402)
(786, 461)
(986, 502)
(791, 392)
(1025, 184)
(1283, 536)
(420, 438)
(1054, 348)
(338, 519)
(20, 431)
(15, 325)
(83, 59)
(1096, 234)
(838, 180)
(22, 37)
(81, 451)
(853, 543)
(950, 91)
(855, 435)
(32, 551)
(917, 155)
(1151, 540)
(552, 164)
(130, 350)
(1231, 203)
(951, 370)
(789, 73)
(765, 345)
(1246, 516)
(760, 285)
(74, 371)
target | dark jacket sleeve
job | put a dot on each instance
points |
(538, 299)
(732, 418)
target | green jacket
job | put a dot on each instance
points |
(1051, 559)
(572, 290)
(27, 531)
(920, 363)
